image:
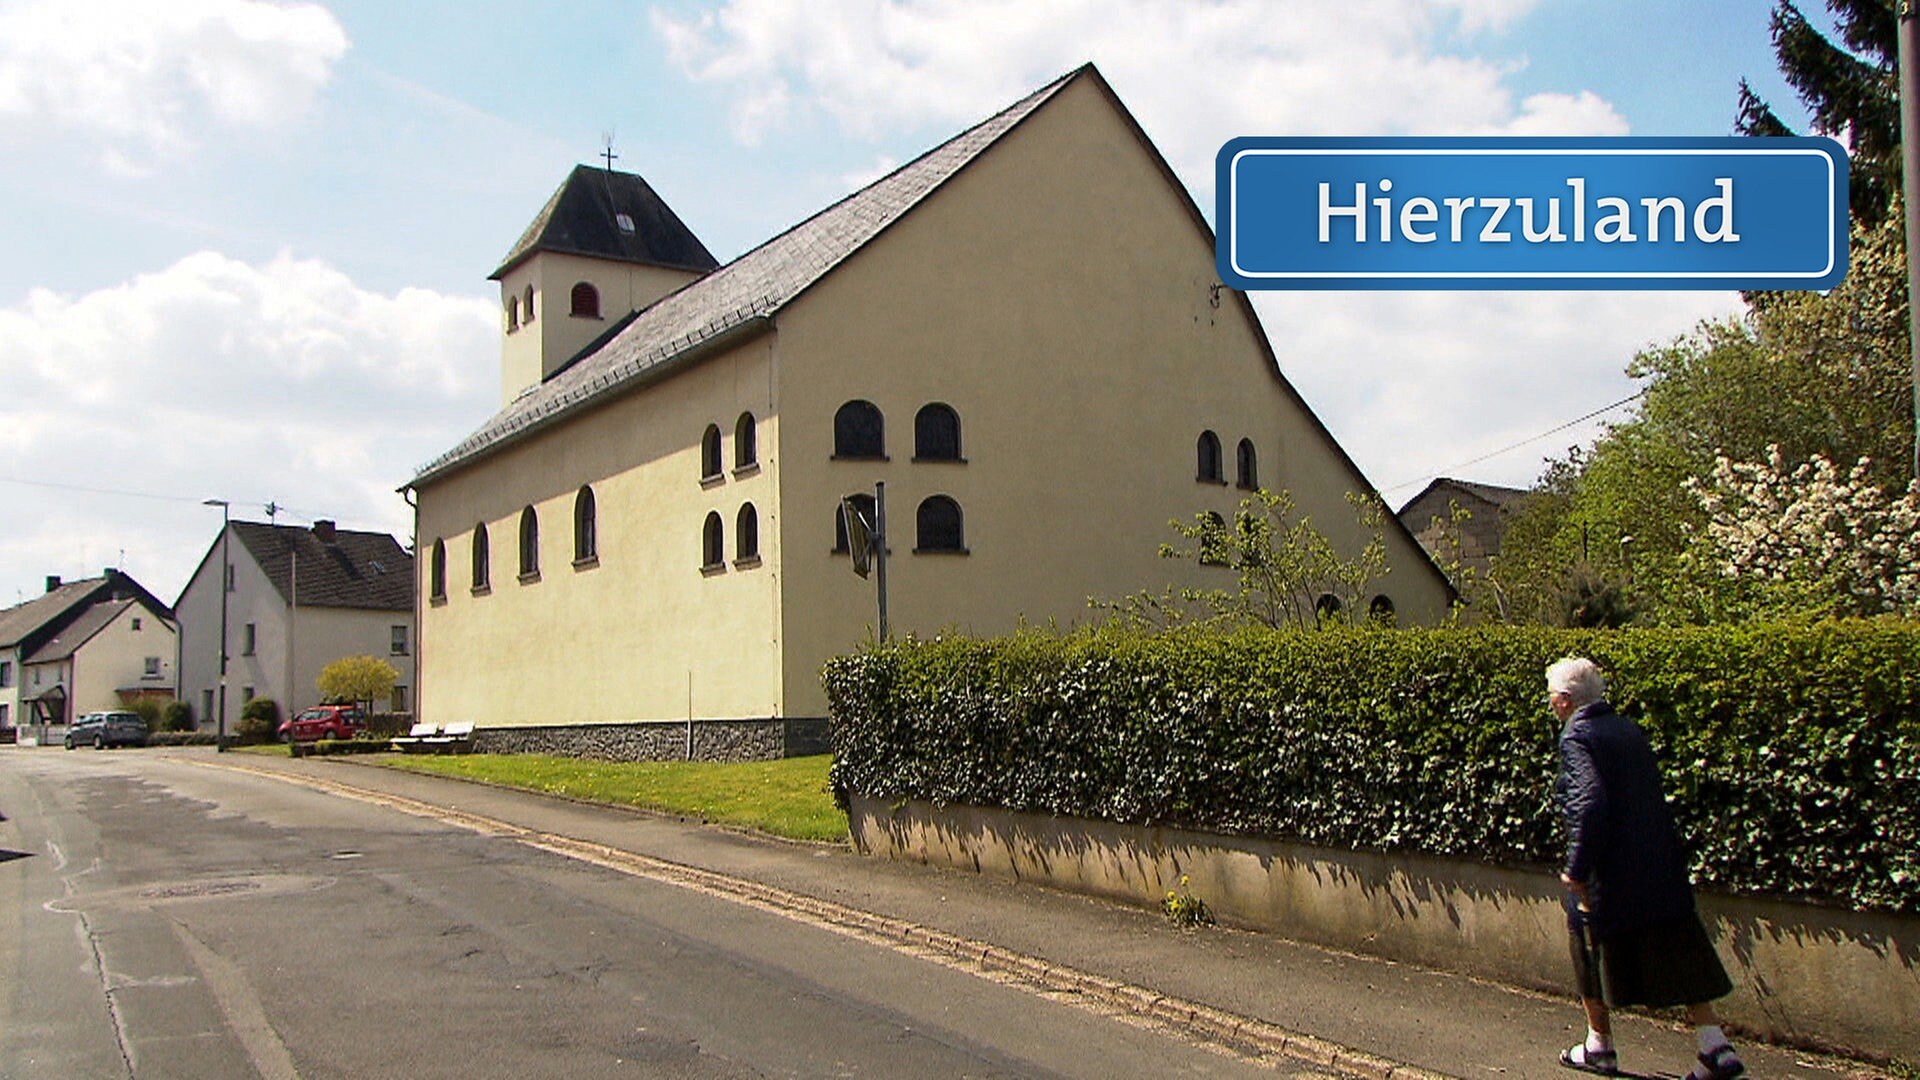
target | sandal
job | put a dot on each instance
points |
(1721, 1064)
(1604, 1062)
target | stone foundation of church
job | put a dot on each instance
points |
(766, 739)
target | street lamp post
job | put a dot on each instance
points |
(226, 568)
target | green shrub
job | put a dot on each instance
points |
(1792, 752)
(148, 710)
(177, 716)
(259, 721)
(181, 738)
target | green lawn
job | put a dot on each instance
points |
(786, 798)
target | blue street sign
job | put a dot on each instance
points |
(1531, 213)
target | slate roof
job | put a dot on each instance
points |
(742, 295)
(579, 219)
(365, 570)
(21, 620)
(79, 631)
(1492, 493)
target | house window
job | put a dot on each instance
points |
(1380, 609)
(936, 434)
(526, 307)
(586, 301)
(482, 573)
(6, 673)
(206, 704)
(862, 505)
(249, 637)
(1208, 451)
(1214, 541)
(3, 716)
(437, 572)
(713, 547)
(586, 539)
(136, 624)
(746, 535)
(230, 578)
(1249, 474)
(745, 453)
(859, 431)
(398, 646)
(529, 544)
(710, 453)
(937, 525)
(513, 314)
(399, 700)
(153, 667)
(246, 694)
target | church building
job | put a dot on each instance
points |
(1020, 334)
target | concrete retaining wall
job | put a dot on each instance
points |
(1802, 974)
(711, 740)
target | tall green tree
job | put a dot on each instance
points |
(1850, 87)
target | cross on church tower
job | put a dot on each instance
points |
(608, 152)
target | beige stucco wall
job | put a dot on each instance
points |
(533, 351)
(644, 634)
(1801, 973)
(1059, 295)
(116, 657)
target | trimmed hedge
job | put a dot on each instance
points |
(1792, 752)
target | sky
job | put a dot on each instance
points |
(248, 240)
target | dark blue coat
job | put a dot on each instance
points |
(1621, 839)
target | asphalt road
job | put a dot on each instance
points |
(163, 918)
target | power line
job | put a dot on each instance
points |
(1630, 399)
(270, 508)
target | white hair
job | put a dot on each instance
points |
(1579, 678)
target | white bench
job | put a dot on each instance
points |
(455, 738)
(410, 742)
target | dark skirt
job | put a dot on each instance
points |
(1672, 963)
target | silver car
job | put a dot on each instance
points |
(104, 729)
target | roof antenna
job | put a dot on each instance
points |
(272, 509)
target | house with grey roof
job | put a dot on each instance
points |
(295, 600)
(1011, 356)
(82, 646)
(1430, 515)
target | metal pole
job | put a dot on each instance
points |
(226, 569)
(1909, 43)
(880, 549)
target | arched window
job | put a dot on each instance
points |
(586, 528)
(746, 534)
(437, 572)
(859, 431)
(863, 504)
(529, 544)
(1215, 543)
(586, 301)
(1208, 451)
(482, 573)
(513, 314)
(710, 453)
(713, 545)
(1327, 607)
(1380, 610)
(745, 451)
(1249, 476)
(526, 306)
(936, 433)
(938, 525)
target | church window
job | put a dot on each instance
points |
(526, 307)
(529, 544)
(713, 547)
(862, 505)
(1380, 610)
(746, 536)
(1208, 450)
(1249, 477)
(936, 434)
(859, 431)
(746, 453)
(1327, 607)
(710, 453)
(513, 314)
(586, 301)
(482, 572)
(938, 525)
(586, 527)
(437, 572)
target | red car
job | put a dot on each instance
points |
(324, 722)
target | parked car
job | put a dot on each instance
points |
(104, 729)
(324, 722)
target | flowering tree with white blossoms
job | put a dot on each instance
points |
(1808, 540)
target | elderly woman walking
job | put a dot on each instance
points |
(1636, 938)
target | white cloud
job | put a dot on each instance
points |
(216, 378)
(144, 77)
